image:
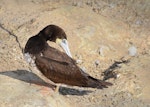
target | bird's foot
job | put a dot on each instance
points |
(57, 89)
(46, 90)
(50, 88)
(53, 87)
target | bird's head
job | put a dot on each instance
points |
(56, 34)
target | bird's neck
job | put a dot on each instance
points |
(43, 37)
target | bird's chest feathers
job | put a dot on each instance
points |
(29, 58)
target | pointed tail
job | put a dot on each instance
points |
(96, 83)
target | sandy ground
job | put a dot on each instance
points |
(99, 33)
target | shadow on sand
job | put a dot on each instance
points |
(32, 78)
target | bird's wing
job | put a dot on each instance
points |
(57, 55)
(60, 71)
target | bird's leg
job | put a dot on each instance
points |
(57, 88)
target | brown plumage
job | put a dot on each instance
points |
(56, 65)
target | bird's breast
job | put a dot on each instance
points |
(29, 59)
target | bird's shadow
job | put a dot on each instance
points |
(32, 78)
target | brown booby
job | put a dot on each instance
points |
(56, 65)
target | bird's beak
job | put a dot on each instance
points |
(64, 44)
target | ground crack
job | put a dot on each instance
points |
(12, 34)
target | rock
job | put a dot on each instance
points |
(103, 50)
(78, 61)
(132, 51)
(97, 62)
(138, 22)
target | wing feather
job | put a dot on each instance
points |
(60, 69)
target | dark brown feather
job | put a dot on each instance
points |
(56, 65)
(60, 68)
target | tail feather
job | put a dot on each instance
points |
(96, 83)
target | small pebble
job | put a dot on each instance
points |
(78, 61)
(132, 51)
(118, 75)
(138, 22)
(97, 62)
(101, 51)
(112, 5)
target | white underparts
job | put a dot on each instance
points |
(29, 59)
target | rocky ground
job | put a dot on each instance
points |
(103, 35)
